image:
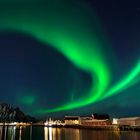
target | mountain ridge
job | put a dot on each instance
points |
(11, 114)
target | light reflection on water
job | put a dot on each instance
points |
(49, 133)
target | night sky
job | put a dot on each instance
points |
(73, 57)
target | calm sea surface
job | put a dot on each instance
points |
(45, 133)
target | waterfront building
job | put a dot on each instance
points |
(131, 121)
(115, 121)
(95, 122)
(71, 120)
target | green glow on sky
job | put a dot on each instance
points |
(126, 82)
(27, 100)
(73, 37)
(74, 32)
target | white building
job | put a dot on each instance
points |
(131, 121)
(115, 121)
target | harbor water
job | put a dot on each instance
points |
(49, 133)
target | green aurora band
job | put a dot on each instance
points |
(132, 78)
(75, 32)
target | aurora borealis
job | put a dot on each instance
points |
(82, 38)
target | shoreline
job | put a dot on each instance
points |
(101, 128)
(107, 127)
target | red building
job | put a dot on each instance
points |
(95, 122)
